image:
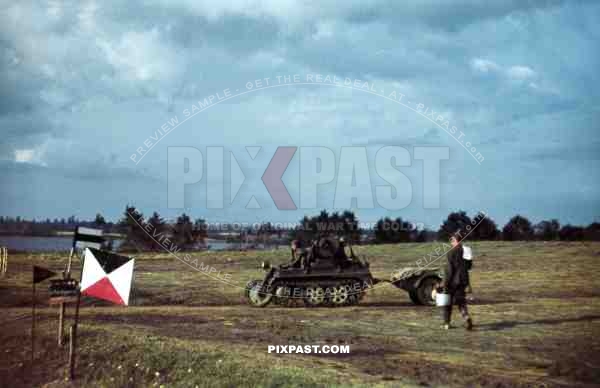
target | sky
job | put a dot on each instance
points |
(84, 84)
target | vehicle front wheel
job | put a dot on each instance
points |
(414, 297)
(256, 296)
(425, 291)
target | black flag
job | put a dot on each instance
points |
(40, 274)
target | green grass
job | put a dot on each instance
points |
(537, 315)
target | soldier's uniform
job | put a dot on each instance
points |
(300, 251)
(468, 256)
(456, 279)
(326, 248)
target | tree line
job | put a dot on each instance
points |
(518, 228)
(190, 234)
(183, 232)
(388, 230)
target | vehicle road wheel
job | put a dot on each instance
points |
(339, 295)
(354, 295)
(256, 297)
(315, 296)
(283, 296)
(424, 292)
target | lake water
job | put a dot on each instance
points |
(63, 244)
(40, 244)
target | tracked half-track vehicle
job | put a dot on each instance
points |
(326, 281)
(328, 278)
(420, 283)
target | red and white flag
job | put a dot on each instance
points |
(107, 276)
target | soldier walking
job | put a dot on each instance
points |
(456, 280)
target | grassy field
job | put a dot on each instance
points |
(536, 310)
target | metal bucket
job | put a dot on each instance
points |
(442, 299)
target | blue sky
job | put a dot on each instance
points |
(84, 84)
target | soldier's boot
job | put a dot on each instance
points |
(469, 324)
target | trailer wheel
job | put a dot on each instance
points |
(414, 297)
(424, 291)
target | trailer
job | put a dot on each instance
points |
(420, 283)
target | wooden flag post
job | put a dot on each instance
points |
(39, 274)
(61, 307)
(32, 323)
(72, 352)
(3, 260)
(68, 272)
(61, 322)
(73, 340)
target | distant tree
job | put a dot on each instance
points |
(264, 232)
(547, 230)
(135, 236)
(183, 232)
(328, 225)
(422, 236)
(518, 228)
(200, 231)
(108, 245)
(486, 230)
(157, 232)
(392, 231)
(592, 232)
(456, 221)
(99, 220)
(572, 233)
(350, 229)
(305, 230)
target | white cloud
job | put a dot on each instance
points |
(325, 30)
(23, 156)
(76, 75)
(26, 156)
(281, 9)
(520, 73)
(484, 65)
(517, 73)
(87, 17)
(140, 56)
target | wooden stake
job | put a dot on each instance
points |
(32, 324)
(72, 341)
(68, 272)
(3, 260)
(132, 297)
(77, 308)
(61, 323)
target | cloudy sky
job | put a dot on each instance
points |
(84, 84)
